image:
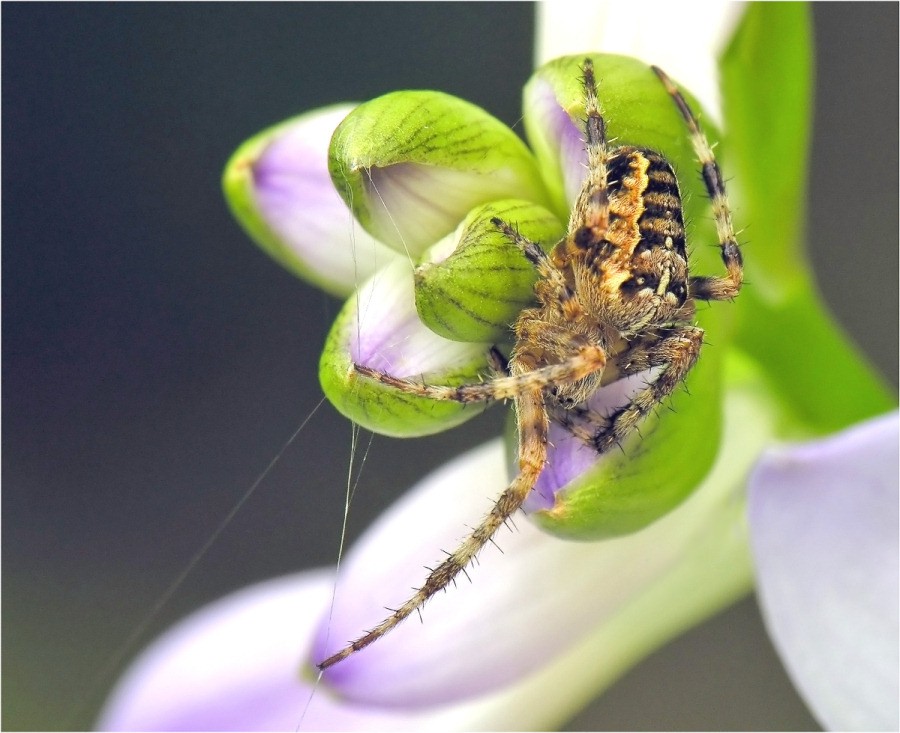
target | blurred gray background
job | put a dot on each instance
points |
(154, 360)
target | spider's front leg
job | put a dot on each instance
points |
(588, 359)
(675, 352)
(711, 288)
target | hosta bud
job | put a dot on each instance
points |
(411, 165)
(378, 328)
(278, 187)
(475, 292)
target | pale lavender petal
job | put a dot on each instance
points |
(296, 199)
(541, 598)
(236, 664)
(563, 137)
(239, 663)
(385, 331)
(824, 529)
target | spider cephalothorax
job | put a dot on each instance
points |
(614, 298)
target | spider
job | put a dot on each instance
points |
(614, 298)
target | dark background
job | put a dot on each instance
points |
(154, 360)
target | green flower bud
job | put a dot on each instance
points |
(411, 165)
(657, 468)
(378, 328)
(476, 292)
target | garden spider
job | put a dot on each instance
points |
(614, 298)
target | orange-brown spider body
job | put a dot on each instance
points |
(614, 298)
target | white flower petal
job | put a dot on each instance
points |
(415, 205)
(825, 539)
(236, 664)
(685, 39)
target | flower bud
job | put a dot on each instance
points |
(476, 292)
(411, 165)
(581, 496)
(278, 187)
(378, 328)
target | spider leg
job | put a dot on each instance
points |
(676, 353)
(552, 289)
(589, 222)
(711, 288)
(533, 425)
(587, 359)
(593, 200)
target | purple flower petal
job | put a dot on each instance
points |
(378, 327)
(235, 665)
(569, 456)
(306, 224)
(385, 332)
(824, 531)
(563, 138)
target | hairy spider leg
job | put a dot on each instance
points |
(594, 195)
(593, 199)
(588, 359)
(527, 388)
(676, 354)
(551, 289)
(533, 427)
(710, 288)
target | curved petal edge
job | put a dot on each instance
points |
(824, 531)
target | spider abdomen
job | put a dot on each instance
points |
(644, 204)
(627, 260)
